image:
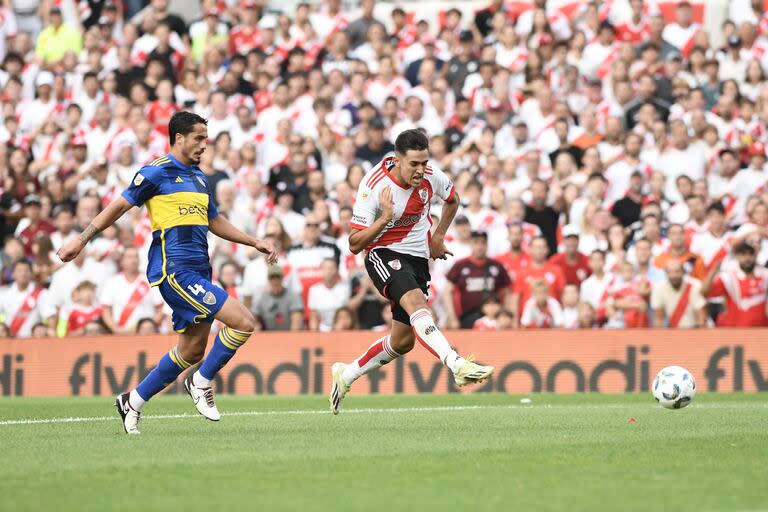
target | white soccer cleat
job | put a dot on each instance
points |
(203, 399)
(471, 373)
(130, 417)
(339, 388)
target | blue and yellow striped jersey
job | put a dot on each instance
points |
(180, 204)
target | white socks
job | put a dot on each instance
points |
(135, 401)
(200, 381)
(377, 355)
(433, 340)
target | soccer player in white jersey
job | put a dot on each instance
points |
(391, 223)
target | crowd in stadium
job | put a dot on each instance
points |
(611, 165)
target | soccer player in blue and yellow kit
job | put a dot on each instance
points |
(180, 205)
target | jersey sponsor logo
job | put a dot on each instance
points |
(404, 221)
(138, 179)
(193, 209)
(395, 264)
(209, 298)
(358, 219)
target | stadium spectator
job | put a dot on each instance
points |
(744, 287)
(637, 121)
(595, 289)
(127, 297)
(278, 308)
(626, 305)
(23, 303)
(471, 281)
(84, 308)
(541, 311)
(147, 326)
(677, 301)
(575, 265)
(537, 269)
(344, 320)
(570, 306)
(326, 297)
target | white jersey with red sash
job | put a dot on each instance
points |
(130, 300)
(23, 308)
(682, 305)
(681, 37)
(536, 316)
(595, 291)
(712, 249)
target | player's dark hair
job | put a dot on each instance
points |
(411, 140)
(183, 123)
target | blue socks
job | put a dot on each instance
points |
(170, 366)
(224, 347)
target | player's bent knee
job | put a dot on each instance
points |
(413, 301)
(192, 354)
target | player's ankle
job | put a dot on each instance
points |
(200, 381)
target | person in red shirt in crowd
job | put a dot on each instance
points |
(471, 281)
(515, 259)
(539, 269)
(84, 310)
(37, 225)
(626, 305)
(575, 265)
(744, 288)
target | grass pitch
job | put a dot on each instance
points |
(468, 452)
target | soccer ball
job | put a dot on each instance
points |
(674, 387)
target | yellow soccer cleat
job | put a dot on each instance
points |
(339, 388)
(471, 373)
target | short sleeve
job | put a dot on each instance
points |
(141, 189)
(453, 274)
(504, 281)
(213, 212)
(296, 303)
(443, 186)
(366, 205)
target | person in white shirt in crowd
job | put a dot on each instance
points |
(326, 297)
(127, 297)
(677, 301)
(541, 311)
(23, 303)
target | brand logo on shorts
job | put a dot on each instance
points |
(395, 264)
(209, 298)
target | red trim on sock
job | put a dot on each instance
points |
(375, 349)
(424, 343)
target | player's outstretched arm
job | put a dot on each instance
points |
(437, 249)
(222, 228)
(106, 218)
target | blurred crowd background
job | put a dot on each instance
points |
(610, 157)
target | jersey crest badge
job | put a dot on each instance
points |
(209, 298)
(138, 179)
(395, 264)
(423, 194)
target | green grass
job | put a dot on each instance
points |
(467, 452)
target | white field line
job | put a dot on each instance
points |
(303, 412)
